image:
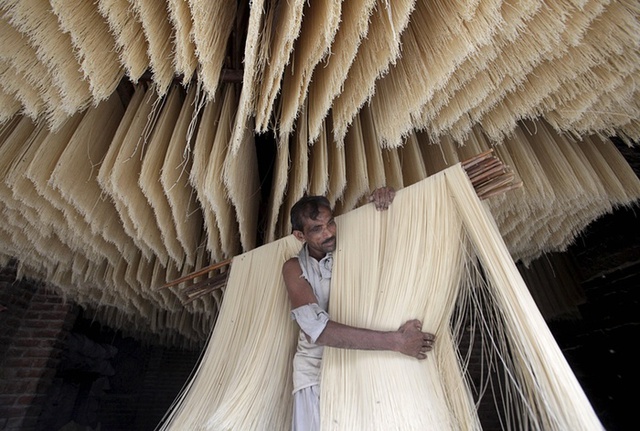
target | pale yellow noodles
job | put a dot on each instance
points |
(420, 259)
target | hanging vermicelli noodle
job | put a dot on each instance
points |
(240, 177)
(124, 180)
(128, 34)
(93, 43)
(337, 169)
(14, 83)
(107, 166)
(37, 22)
(320, 23)
(328, 78)
(392, 168)
(184, 59)
(417, 260)
(413, 168)
(298, 174)
(174, 177)
(75, 173)
(23, 58)
(254, 64)
(356, 168)
(278, 189)
(148, 180)
(380, 48)
(318, 171)
(9, 107)
(202, 147)
(214, 193)
(283, 21)
(373, 152)
(159, 34)
(267, 332)
(212, 24)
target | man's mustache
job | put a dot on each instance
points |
(327, 241)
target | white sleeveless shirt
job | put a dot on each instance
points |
(308, 357)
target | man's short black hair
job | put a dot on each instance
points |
(307, 207)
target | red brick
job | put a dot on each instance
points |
(22, 343)
(25, 362)
(15, 422)
(20, 387)
(25, 400)
(7, 400)
(35, 323)
(39, 352)
(29, 372)
(40, 333)
(52, 316)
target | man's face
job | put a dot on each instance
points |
(319, 234)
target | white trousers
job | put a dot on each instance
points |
(306, 409)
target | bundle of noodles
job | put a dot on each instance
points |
(360, 389)
(104, 175)
(212, 25)
(328, 78)
(413, 167)
(337, 167)
(539, 43)
(45, 218)
(372, 150)
(18, 137)
(9, 107)
(23, 58)
(553, 396)
(319, 165)
(40, 170)
(278, 189)
(15, 83)
(93, 43)
(202, 148)
(524, 95)
(297, 180)
(240, 177)
(75, 174)
(213, 191)
(159, 35)
(128, 34)
(281, 28)
(149, 179)
(392, 168)
(237, 372)
(377, 294)
(174, 177)
(254, 60)
(35, 20)
(438, 155)
(436, 41)
(124, 177)
(356, 168)
(319, 27)
(232, 389)
(184, 59)
(378, 50)
(20, 196)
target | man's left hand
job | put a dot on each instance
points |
(382, 197)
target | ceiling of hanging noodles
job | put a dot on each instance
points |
(109, 195)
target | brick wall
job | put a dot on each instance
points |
(33, 325)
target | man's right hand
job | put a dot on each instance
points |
(413, 342)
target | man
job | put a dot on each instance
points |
(308, 279)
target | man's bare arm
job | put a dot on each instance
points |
(408, 339)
